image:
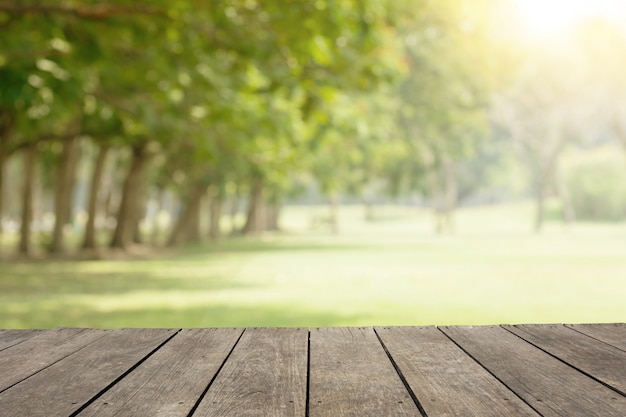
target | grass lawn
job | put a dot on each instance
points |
(393, 271)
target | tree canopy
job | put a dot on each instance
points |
(230, 98)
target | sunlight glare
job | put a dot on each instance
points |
(549, 17)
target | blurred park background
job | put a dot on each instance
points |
(189, 163)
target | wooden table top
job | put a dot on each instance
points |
(523, 370)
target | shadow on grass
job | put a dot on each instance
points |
(243, 245)
(26, 279)
(210, 316)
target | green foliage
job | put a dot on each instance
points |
(358, 93)
(598, 189)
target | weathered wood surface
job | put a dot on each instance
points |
(67, 385)
(599, 360)
(462, 387)
(613, 334)
(171, 381)
(351, 375)
(522, 370)
(10, 338)
(39, 352)
(264, 376)
(550, 386)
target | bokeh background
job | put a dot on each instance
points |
(190, 163)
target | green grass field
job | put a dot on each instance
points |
(393, 271)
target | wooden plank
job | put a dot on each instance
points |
(264, 376)
(41, 351)
(10, 338)
(169, 382)
(604, 362)
(613, 334)
(444, 379)
(64, 387)
(351, 375)
(547, 384)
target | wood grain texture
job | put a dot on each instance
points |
(547, 384)
(444, 379)
(351, 375)
(169, 383)
(41, 351)
(62, 388)
(553, 369)
(264, 376)
(614, 334)
(606, 363)
(10, 338)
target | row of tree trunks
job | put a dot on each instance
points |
(65, 179)
(261, 215)
(89, 241)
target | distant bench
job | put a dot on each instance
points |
(525, 370)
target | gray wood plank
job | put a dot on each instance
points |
(547, 384)
(67, 385)
(169, 383)
(10, 338)
(614, 334)
(604, 362)
(264, 376)
(41, 351)
(351, 375)
(445, 380)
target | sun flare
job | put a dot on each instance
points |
(544, 18)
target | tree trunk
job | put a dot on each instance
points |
(215, 217)
(255, 222)
(369, 210)
(273, 216)
(334, 212)
(437, 195)
(569, 214)
(192, 232)
(89, 241)
(3, 160)
(156, 226)
(30, 161)
(234, 208)
(130, 193)
(138, 213)
(183, 230)
(7, 122)
(620, 132)
(540, 197)
(65, 179)
(110, 187)
(451, 193)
